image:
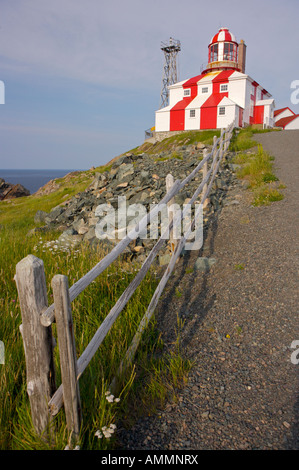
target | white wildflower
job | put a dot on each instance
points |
(110, 398)
(98, 434)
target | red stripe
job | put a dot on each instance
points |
(208, 111)
(227, 36)
(177, 113)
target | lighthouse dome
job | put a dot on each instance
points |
(223, 35)
(223, 51)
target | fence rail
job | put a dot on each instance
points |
(37, 316)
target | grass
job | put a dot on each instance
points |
(183, 138)
(155, 373)
(239, 267)
(258, 170)
(244, 138)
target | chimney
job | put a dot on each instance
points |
(242, 56)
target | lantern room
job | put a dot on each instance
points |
(223, 51)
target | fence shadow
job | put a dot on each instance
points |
(202, 303)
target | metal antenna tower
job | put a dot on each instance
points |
(171, 50)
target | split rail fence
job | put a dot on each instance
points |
(37, 316)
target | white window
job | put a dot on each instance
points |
(205, 89)
(192, 113)
(223, 88)
(187, 92)
(222, 111)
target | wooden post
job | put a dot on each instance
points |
(37, 339)
(204, 174)
(169, 185)
(68, 357)
(222, 144)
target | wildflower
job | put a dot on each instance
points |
(98, 434)
(107, 432)
(117, 400)
(110, 398)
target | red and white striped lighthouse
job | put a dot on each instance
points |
(223, 93)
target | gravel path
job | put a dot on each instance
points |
(240, 319)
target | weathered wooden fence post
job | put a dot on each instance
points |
(169, 184)
(204, 175)
(37, 339)
(67, 352)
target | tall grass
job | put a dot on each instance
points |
(257, 168)
(88, 310)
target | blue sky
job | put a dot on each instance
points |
(83, 79)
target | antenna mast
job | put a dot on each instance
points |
(171, 50)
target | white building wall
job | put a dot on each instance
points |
(293, 124)
(176, 94)
(192, 123)
(237, 89)
(247, 104)
(163, 120)
(229, 117)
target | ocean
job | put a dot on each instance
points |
(32, 179)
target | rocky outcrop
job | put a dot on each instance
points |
(12, 191)
(140, 179)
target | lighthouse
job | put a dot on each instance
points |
(221, 94)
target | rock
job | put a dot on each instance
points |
(12, 191)
(200, 146)
(141, 180)
(164, 259)
(204, 264)
(235, 202)
(40, 217)
(124, 171)
(54, 214)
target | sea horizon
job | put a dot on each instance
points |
(33, 179)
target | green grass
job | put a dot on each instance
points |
(258, 169)
(239, 267)
(183, 138)
(244, 138)
(88, 310)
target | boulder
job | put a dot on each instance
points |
(40, 217)
(12, 191)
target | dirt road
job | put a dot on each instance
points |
(240, 319)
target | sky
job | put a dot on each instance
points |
(83, 78)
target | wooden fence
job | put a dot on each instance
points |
(37, 316)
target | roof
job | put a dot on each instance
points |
(284, 121)
(264, 102)
(278, 111)
(223, 35)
